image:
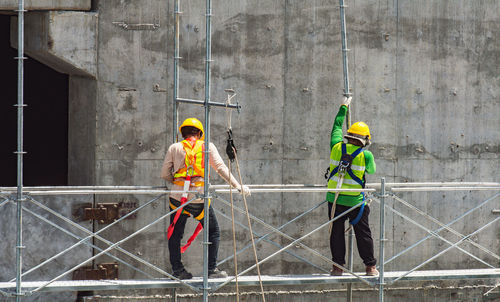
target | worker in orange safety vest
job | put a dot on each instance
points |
(184, 167)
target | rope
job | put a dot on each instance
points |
(231, 150)
(231, 158)
(234, 238)
(332, 212)
(250, 228)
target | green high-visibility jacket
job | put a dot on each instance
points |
(366, 156)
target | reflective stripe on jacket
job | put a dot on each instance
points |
(357, 166)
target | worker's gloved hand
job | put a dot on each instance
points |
(346, 101)
(245, 190)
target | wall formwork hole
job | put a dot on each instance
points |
(45, 119)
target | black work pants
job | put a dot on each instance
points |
(174, 243)
(362, 231)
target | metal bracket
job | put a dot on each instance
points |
(108, 271)
(104, 213)
(137, 26)
(157, 88)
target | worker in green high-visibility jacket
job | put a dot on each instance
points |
(349, 162)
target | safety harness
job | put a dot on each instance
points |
(344, 167)
(193, 167)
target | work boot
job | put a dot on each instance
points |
(336, 271)
(371, 270)
(183, 274)
(216, 273)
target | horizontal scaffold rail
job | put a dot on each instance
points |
(257, 188)
(89, 285)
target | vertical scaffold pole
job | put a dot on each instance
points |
(382, 240)
(347, 93)
(176, 71)
(208, 59)
(20, 105)
(350, 262)
(343, 33)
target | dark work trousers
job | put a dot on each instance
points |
(174, 243)
(361, 230)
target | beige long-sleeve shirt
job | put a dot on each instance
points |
(174, 160)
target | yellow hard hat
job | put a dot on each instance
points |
(360, 132)
(360, 128)
(193, 122)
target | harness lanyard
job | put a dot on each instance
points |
(187, 183)
(198, 229)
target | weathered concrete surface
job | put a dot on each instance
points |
(130, 63)
(66, 41)
(47, 4)
(424, 75)
(81, 147)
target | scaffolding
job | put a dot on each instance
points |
(379, 193)
(21, 196)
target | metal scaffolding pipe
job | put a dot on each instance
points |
(114, 245)
(263, 237)
(350, 263)
(382, 241)
(430, 189)
(6, 200)
(373, 185)
(297, 241)
(7, 190)
(422, 213)
(433, 184)
(436, 235)
(175, 110)
(206, 197)
(202, 103)
(20, 152)
(345, 64)
(445, 250)
(82, 240)
(85, 242)
(104, 192)
(106, 241)
(109, 243)
(62, 188)
(298, 190)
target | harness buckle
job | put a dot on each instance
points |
(188, 168)
(345, 162)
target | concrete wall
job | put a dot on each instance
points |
(48, 40)
(424, 77)
(47, 4)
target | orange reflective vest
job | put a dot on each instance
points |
(194, 163)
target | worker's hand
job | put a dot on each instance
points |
(346, 101)
(245, 190)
